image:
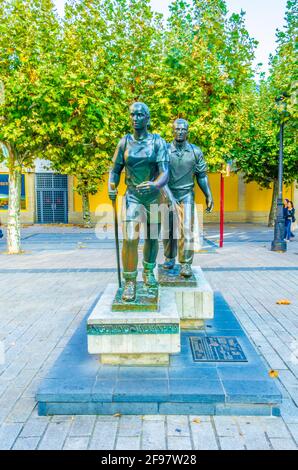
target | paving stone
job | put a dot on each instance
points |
(82, 425)
(154, 435)
(10, 397)
(55, 436)
(283, 444)
(26, 443)
(76, 443)
(293, 427)
(226, 426)
(128, 443)
(34, 428)
(179, 443)
(130, 426)
(178, 425)
(254, 437)
(104, 435)
(8, 435)
(24, 378)
(22, 410)
(275, 427)
(289, 411)
(232, 443)
(203, 435)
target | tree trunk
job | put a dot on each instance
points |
(86, 210)
(14, 211)
(273, 210)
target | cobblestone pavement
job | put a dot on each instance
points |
(46, 292)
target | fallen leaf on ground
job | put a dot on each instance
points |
(196, 420)
(283, 302)
(273, 374)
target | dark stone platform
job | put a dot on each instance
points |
(147, 300)
(79, 384)
(172, 278)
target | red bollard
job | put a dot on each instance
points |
(222, 198)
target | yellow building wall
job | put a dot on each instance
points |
(101, 197)
(251, 204)
(259, 200)
(230, 191)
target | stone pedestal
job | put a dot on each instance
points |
(131, 337)
(194, 303)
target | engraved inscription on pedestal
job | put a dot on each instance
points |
(133, 329)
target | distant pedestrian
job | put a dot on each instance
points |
(285, 208)
(285, 215)
(289, 215)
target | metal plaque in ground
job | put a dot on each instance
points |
(216, 349)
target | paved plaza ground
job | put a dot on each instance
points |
(46, 292)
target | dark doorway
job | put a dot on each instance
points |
(51, 198)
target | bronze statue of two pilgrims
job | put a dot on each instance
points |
(147, 160)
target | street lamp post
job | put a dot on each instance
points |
(279, 244)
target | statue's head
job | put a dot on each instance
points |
(180, 130)
(140, 115)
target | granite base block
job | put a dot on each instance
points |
(133, 337)
(195, 302)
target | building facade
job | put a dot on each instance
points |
(51, 198)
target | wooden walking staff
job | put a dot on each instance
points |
(114, 203)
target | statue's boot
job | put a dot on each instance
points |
(148, 274)
(130, 287)
(169, 263)
(185, 270)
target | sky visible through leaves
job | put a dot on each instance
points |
(262, 19)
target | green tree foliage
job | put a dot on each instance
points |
(283, 77)
(104, 60)
(28, 31)
(79, 97)
(66, 85)
(207, 64)
(264, 108)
